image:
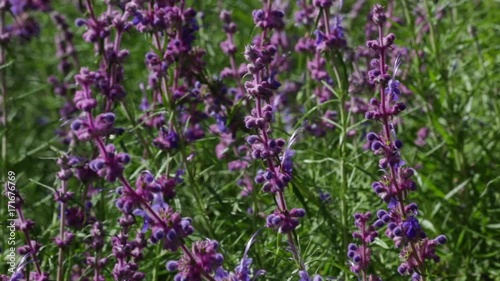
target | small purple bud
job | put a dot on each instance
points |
(391, 225)
(370, 115)
(272, 143)
(80, 22)
(219, 258)
(381, 213)
(411, 185)
(76, 125)
(376, 145)
(96, 165)
(172, 235)
(280, 142)
(402, 269)
(374, 102)
(379, 223)
(148, 177)
(297, 212)
(109, 117)
(401, 106)
(269, 175)
(371, 136)
(259, 178)
(386, 218)
(253, 139)
(352, 247)
(351, 254)
(158, 233)
(124, 158)
(172, 265)
(441, 239)
(397, 231)
(398, 144)
(276, 220)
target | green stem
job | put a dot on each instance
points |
(343, 157)
(155, 262)
(62, 221)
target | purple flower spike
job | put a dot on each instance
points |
(396, 183)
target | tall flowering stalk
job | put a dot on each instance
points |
(32, 246)
(62, 195)
(395, 184)
(276, 157)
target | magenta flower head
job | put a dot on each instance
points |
(95, 29)
(166, 225)
(109, 164)
(167, 139)
(285, 222)
(203, 259)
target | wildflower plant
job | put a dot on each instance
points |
(276, 157)
(233, 140)
(396, 183)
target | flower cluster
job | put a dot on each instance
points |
(24, 26)
(202, 260)
(329, 36)
(361, 255)
(167, 226)
(108, 164)
(395, 185)
(173, 28)
(128, 253)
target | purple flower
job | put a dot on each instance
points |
(109, 164)
(285, 222)
(392, 89)
(167, 226)
(411, 227)
(325, 197)
(168, 139)
(304, 276)
(206, 261)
